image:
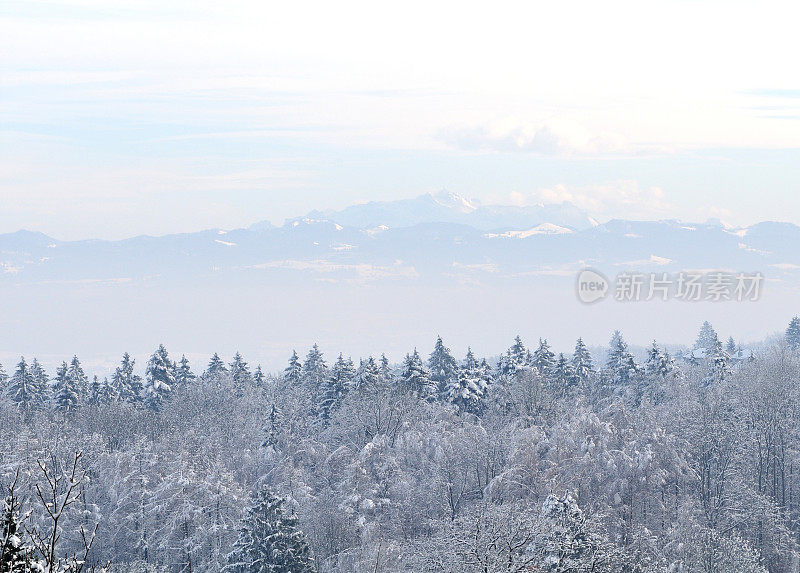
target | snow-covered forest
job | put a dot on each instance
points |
(536, 461)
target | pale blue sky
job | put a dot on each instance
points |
(120, 117)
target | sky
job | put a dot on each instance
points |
(121, 117)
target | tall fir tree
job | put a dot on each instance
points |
(730, 346)
(93, 395)
(368, 375)
(415, 379)
(127, 384)
(707, 338)
(270, 540)
(216, 367)
(543, 358)
(468, 390)
(183, 373)
(620, 365)
(240, 372)
(562, 378)
(160, 379)
(314, 373)
(442, 367)
(78, 377)
(335, 388)
(259, 378)
(515, 359)
(42, 382)
(387, 375)
(66, 394)
(293, 373)
(793, 334)
(582, 363)
(24, 390)
(16, 556)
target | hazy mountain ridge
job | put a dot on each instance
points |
(434, 235)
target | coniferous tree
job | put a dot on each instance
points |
(294, 372)
(160, 379)
(561, 376)
(730, 346)
(16, 556)
(78, 377)
(183, 373)
(272, 428)
(259, 379)
(443, 367)
(335, 388)
(23, 389)
(42, 382)
(3, 379)
(582, 363)
(270, 540)
(127, 384)
(240, 372)
(707, 339)
(93, 395)
(314, 372)
(414, 378)
(469, 389)
(793, 333)
(107, 393)
(368, 375)
(216, 367)
(515, 359)
(620, 364)
(66, 394)
(543, 358)
(717, 365)
(387, 376)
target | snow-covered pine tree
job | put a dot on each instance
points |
(107, 393)
(16, 556)
(3, 379)
(93, 395)
(23, 389)
(240, 372)
(414, 378)
(620, 364)
(387, 375)
(793, 334)
(582, 363)
(730, 346)
(183, 373)
(272, 429)
(66, 397)
(270, 540)
(259, 379)
(566, 543)
(543, 358)
(78, 377)
(368, 376)
(335, 388)
(468, 390)
(127, 383)
(717, 365)
(293, 373)
(314, 372)
(561, 377)
(707, 338)
(160, 379)
(443, 367)
(42, 382)
(515, 359)
(216, 367)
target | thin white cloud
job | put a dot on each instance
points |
(619, 199)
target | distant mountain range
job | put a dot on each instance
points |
(382, 276)
(443, 235)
